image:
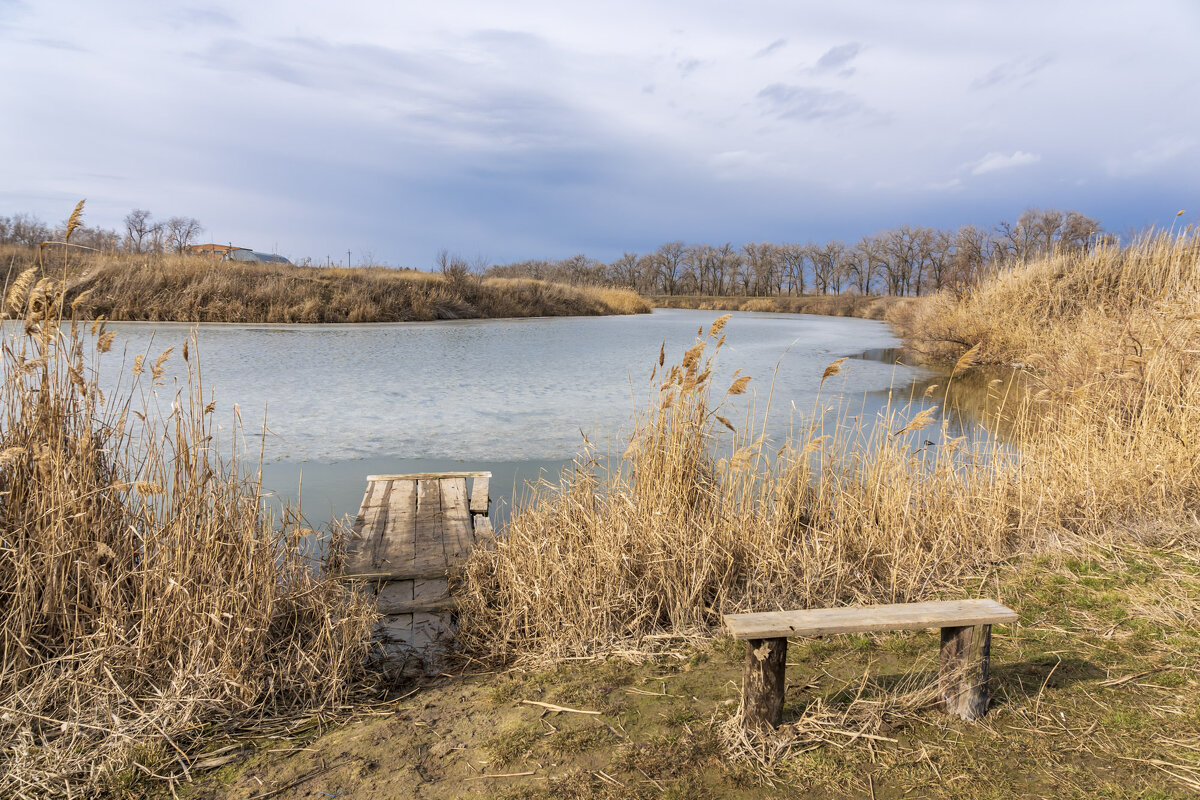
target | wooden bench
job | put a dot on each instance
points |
(966, 649)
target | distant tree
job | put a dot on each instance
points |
(792, 259)
(827, 262)
(158, 238)
(668, 260)
(728, 266)
(1043, 231)
(940, 257)
(624, 271)
(25, 230)
(452, 265)
(180, 231)
(138, 227)
(870, 260)
(762, 263)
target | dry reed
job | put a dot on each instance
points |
(148, 603)
(671, 537)
(833, 305)
(123, 286)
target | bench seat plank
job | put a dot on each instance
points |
(901, 616)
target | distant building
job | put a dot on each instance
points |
(227, 252)
(214, 250)
(242, 254)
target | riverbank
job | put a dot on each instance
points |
(180, 288)
(1087, 702)
(835, 305)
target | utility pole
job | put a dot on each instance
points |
(347, 258)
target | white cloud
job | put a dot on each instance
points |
(995, 162)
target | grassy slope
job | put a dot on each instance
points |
(196, 289)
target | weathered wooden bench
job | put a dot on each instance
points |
(966, 649)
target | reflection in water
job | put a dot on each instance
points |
(977, 403)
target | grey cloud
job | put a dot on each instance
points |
(509, 39)
(206, 16)
(771, 48)
(838, 58)
(432, 95)
(310, 62)
(688, 66)
(808, 103)
(1019, 70)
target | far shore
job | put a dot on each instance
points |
(830, 305)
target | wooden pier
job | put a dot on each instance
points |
(410, 531)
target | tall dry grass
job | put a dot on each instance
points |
(696, 520)
(123, 286)
(831, 305)
(147, 602)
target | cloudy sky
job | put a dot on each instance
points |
(542, 129)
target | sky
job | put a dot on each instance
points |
(515, 130)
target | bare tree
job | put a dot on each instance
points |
(180, 232)
(792, 259)
(728, 264)
(668, 259)
(701, 262)
(138, 227)
(826, 263)
(625, 270)
(24, 229)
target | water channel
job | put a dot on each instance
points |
(512, 396)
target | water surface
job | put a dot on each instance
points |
(513, 396)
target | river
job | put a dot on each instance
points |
(512, 396)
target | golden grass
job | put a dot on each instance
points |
(834, 305)
(147, 602)
(199, 289)
(674, 535)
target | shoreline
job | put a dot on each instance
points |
(876, 307)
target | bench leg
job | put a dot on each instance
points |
(763, 683)
(963, 679)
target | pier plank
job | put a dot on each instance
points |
(428, 535)
(415, 476)
(483, 530)
(479, 495)
(397, 550)
(456, 519)
(368, 529)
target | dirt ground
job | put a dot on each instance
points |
(1094, 694)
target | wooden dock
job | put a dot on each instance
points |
(410, 531)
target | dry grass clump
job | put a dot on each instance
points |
(1110, 340)
(147, 602)
(198, 289)
(673, 536)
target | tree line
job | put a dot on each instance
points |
(902, 261)
(142, 233)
